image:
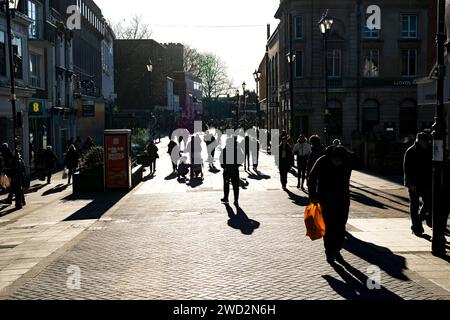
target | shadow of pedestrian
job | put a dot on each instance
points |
(171, 176)
(57, 189)
(100, 204)
(36, 188)
(241, 221)
(381, 257)
(355, 285)
(258, 176)
(297, 199)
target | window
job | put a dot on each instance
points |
(371, 63)
(2, 54)
(298, 23)
(371, 34)
(409, 26)
(334, 120)
(370, 115)
(299, 64)
(32, 14)
(18, 58)
(409, 63)
(35, 70)
(334, 63)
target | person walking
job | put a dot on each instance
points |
(329, 185)
(255, 153)
(170, 148)
(230, 164)
(152, 151)
(50, 159)
(195, 148)
(247, 153)
(302, 150)
(317, 150)
(210, 139)
(418, 171)
(285, 161)
(88, 144)
(71, 162)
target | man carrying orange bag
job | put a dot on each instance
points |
(329, 185)
(315, 226)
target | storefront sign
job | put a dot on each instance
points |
(117, 164)
(36, 108)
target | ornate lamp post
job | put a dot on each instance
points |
(325, 25)
(244, 85)
(257, 77)
(237, 107)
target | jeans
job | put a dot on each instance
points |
(283, 176)
(335, 218)
(233, 177)
(301, 164)
(152, 165)
(424, 213)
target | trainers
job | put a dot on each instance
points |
(418, 231)
(224, 200)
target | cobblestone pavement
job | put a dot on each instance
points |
(167, 240)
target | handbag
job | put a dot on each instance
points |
(5, 181)
(315, 225)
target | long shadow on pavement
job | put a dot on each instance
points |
(101, 203)
(354, 286)
(59, 188)
(241, 221)
(381, 257)
(297, 199)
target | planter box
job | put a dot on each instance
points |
(88, 181)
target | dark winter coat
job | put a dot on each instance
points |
(71, 159)
(330, 184)
(50, 159)
(316, 153)
(152, 152)
(287, 162)
(418, 167)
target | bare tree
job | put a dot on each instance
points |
(211, 69)
(136, 28)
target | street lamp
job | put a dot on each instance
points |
(244, 85)
(237, 107)
(9, 6)
(257, 77)
(325, 25)
(439, 208)
(150, 66)
(291, 57)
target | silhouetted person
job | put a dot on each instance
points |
(302, 150)
(317, 150)
(78, 145)
(152, 151)
(195, 148)
(247, 153)
(14, 175)
(210, 139)
(285, 162)
(50, 159)
(173, 145)
(255, 153)
(8, 168)
(71, 162)
(230, 167)
(418, 171)
(329, 185)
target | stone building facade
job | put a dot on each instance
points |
(372, 73)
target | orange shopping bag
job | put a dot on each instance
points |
(315, 226)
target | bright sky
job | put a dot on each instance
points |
(242, 48)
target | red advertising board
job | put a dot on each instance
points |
(117, 162)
